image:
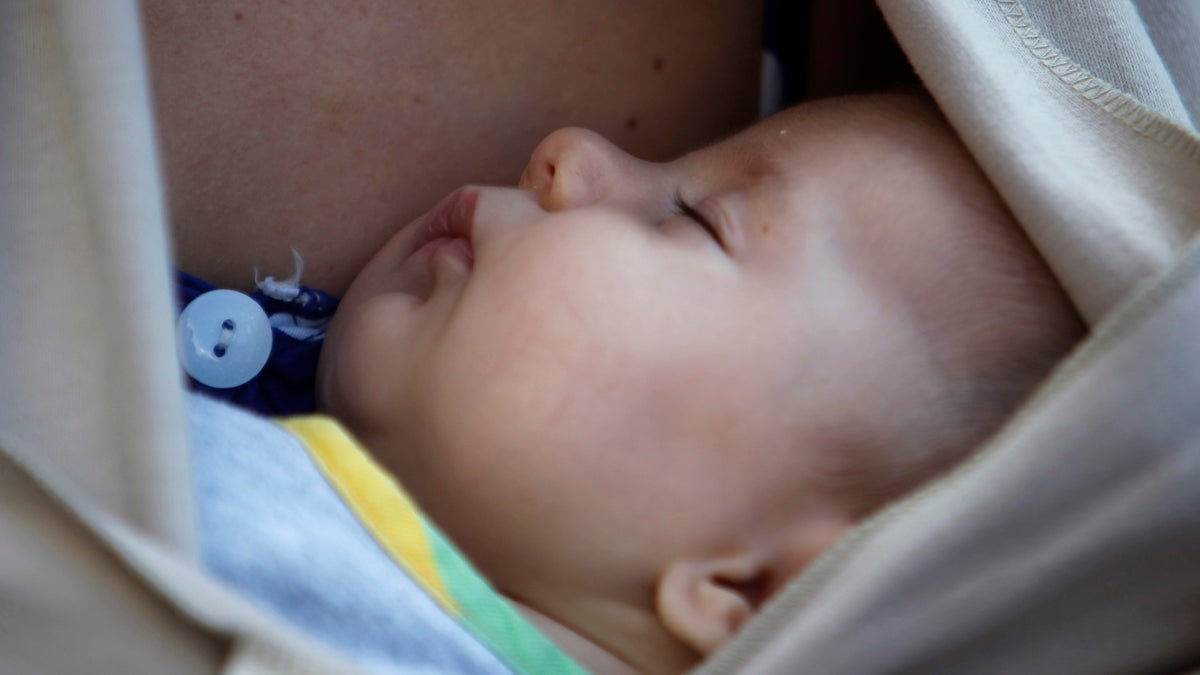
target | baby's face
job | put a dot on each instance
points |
(621, 358)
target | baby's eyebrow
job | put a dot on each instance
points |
(761, 160)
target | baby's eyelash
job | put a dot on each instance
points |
(687, 210)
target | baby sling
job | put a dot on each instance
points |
(1070, 544)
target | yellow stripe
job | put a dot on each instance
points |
(382, 506)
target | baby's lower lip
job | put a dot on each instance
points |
(451, 220)
(454, 247)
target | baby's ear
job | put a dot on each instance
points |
(704, 601)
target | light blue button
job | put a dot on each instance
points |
(223, 339)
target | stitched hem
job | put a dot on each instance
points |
(1125, 108)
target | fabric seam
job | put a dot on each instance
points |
(1121, 106)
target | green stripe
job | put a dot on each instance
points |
(493, 620)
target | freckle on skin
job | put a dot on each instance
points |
(658, 64)
(237, 16)
(418, 99)
(766, 228)
(631, 124)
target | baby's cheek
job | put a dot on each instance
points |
(504, 380)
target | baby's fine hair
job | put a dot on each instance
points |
(996, 348)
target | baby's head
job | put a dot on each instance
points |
(641, 396)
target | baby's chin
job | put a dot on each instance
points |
(349, 382)
(327, 392)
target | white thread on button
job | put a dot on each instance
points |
(223, 339)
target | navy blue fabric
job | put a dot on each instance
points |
(286, 385)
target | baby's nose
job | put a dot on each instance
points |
(572, 168)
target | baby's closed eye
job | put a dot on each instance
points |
(688, 211)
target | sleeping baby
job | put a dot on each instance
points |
(627, 402)
(640, 397)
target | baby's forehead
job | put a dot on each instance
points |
(872, 190)
(852, 134)
(886, 177)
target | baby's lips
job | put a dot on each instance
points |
(452, 218)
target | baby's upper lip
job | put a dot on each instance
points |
(452, 218)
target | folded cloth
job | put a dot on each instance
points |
(302, 519)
